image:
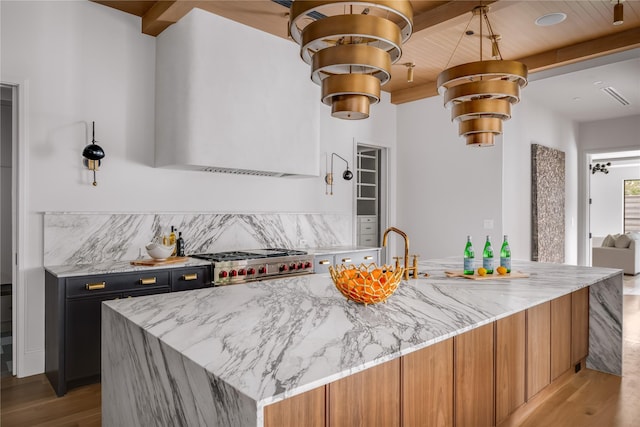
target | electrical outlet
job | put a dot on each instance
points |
(488, 224)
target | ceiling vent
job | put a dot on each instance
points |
(615, 95)
(248, 172)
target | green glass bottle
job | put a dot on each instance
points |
(469, 257)
(487, 256)
(505, 255)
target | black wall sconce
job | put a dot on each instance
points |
(600, 168)
(347, 174)
(93, 154)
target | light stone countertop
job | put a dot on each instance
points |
(62, 271)
(270, 340)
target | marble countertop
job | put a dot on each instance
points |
(274, 339)
(62, 271)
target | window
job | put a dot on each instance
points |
(631, 205)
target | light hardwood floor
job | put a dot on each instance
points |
(588, 399)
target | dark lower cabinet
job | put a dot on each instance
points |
(73, 313)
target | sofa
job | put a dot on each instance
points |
(619, 251)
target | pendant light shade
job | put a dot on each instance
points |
(480, 94)
(350, 46)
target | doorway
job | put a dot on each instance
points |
(606, 193)
(8, 97)
(371, 194)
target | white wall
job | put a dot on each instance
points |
(80, 61)
(531, 124)
(607, 193)
(445, 189)
(620, 134)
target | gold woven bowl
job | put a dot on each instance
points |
(366, 284)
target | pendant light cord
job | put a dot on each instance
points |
(459, 40)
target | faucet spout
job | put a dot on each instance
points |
(406, 248)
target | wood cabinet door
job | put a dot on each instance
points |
(510, 364)
(579, 324)
(474, 377)
(560, 336)
(427, 386)
(370, 398)
(538, 348)
(306, 409)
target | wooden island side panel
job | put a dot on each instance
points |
(474, 401)
(510, 364)
(367, 398)
(427, 386)
(560, 336)
(306, 409)
(579, 325)
(538, 348)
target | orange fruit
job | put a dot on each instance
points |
(482, 271)
(502, 270)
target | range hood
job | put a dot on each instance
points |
(233, 99)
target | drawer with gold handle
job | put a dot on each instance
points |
(190, 277)
(148, 281)
(95, 286)
(324, 262)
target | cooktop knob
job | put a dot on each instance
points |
(300, 266)
(242, 272)
(262, 270)
(251, 271)
(307, 264)
(233, 273)
(223, 274)
(292, 266)
(284, 267)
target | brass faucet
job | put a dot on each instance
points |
(407, 269)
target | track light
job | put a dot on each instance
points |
(410, 66)
(495, 49)
(618, 13)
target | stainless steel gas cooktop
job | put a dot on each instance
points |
(234, 267)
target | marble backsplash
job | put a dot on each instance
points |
(85, 238)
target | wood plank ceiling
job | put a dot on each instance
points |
(439, 39)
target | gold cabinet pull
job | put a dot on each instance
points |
(95, 286)
(323, 262)
(148, 281)
(368, 257)
(346, 259)
(188, 277)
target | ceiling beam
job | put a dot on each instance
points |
(605, 45)
(163, 14)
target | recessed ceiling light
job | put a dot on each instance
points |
(577, 98)
(597, 82)
(551, 19)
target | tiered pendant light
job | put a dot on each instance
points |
(480, 94)
(350, 46)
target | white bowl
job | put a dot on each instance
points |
(159, 251)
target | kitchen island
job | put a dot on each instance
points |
(219, 356)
